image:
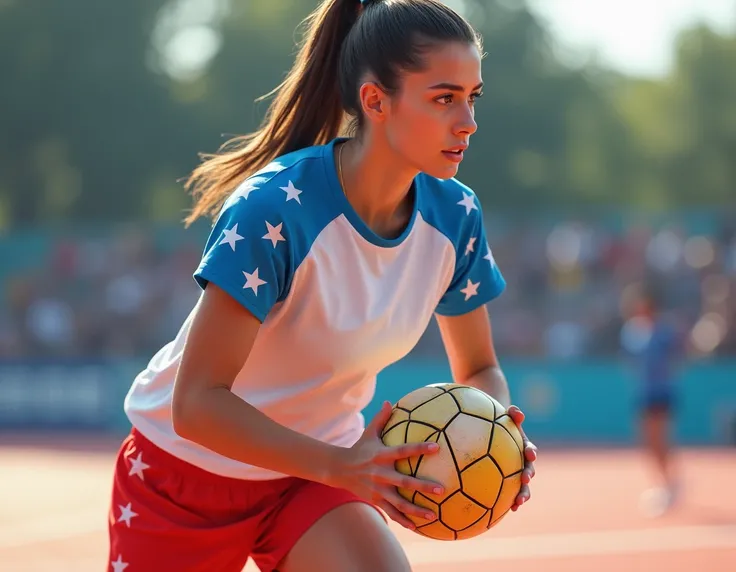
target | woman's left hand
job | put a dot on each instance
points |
(530, 456)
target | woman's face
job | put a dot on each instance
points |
(432, 116)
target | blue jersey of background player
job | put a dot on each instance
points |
(658, 363)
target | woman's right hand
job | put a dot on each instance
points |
(367, 469)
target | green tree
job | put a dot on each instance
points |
(681, 130)
(85, 121)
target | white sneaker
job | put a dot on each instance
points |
(656, 502)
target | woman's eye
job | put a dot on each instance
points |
(447, 99)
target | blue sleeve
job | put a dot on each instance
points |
(477, 279)
(248, 253)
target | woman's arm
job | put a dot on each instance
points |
(469, 345)
(468, 342)
(206, 412)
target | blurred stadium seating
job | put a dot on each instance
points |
(83, 310)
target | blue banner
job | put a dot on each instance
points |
(63, 396)
(566, 403)
(593, 402)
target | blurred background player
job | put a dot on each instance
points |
(651, 337)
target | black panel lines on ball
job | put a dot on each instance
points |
(459, 408)
(432, 438)
(404, 409)
(500, 517)
(500, 489)
(500, 472)
(417, 422)
(476, 501)
(481, 417)
(478, 460)
(494, 408)
(484, 515)
(420, 531)
(428, 400)
(512, 438)
(452, 453)
(440, 386)
(448, 497)
(389, 428)
(490, 441)
(490, 400)
(513, 474)
(420, 495)
(450, 420)
(467, 388)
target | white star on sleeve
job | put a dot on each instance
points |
(274, 233)
(231, 236)
(137, 466)
(470, 290)
(468, 203)
(292, 192)
(118, 565)
(244, 190)
(126, 513)
(252, 281)
(470, 247)
(489, 256)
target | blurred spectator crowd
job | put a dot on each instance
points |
(124, 292)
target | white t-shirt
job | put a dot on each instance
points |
(337, 302)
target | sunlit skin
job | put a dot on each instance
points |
(409, 132)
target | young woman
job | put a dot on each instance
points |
(327, 260)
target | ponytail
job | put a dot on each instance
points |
(307, 110)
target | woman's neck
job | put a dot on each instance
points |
(377, 184)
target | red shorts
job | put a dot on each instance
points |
(167, 514)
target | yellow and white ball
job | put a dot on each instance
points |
(479, 462)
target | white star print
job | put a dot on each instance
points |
(471, 246)
(231, 236)
(489, 256)
(126, 513)
(118, 565)
(272, 167)
(274, 233)
(292, 192)
(137, 466)
(470, 289)
(244, 190)
(252, 281)
(468, 203)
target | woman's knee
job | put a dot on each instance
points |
(353, 537)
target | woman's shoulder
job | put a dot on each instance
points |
(450, 206)
(291, 190)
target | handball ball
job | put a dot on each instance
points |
(479, 462)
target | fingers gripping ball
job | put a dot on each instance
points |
(479, 462)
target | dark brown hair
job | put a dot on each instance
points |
(345, 40)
